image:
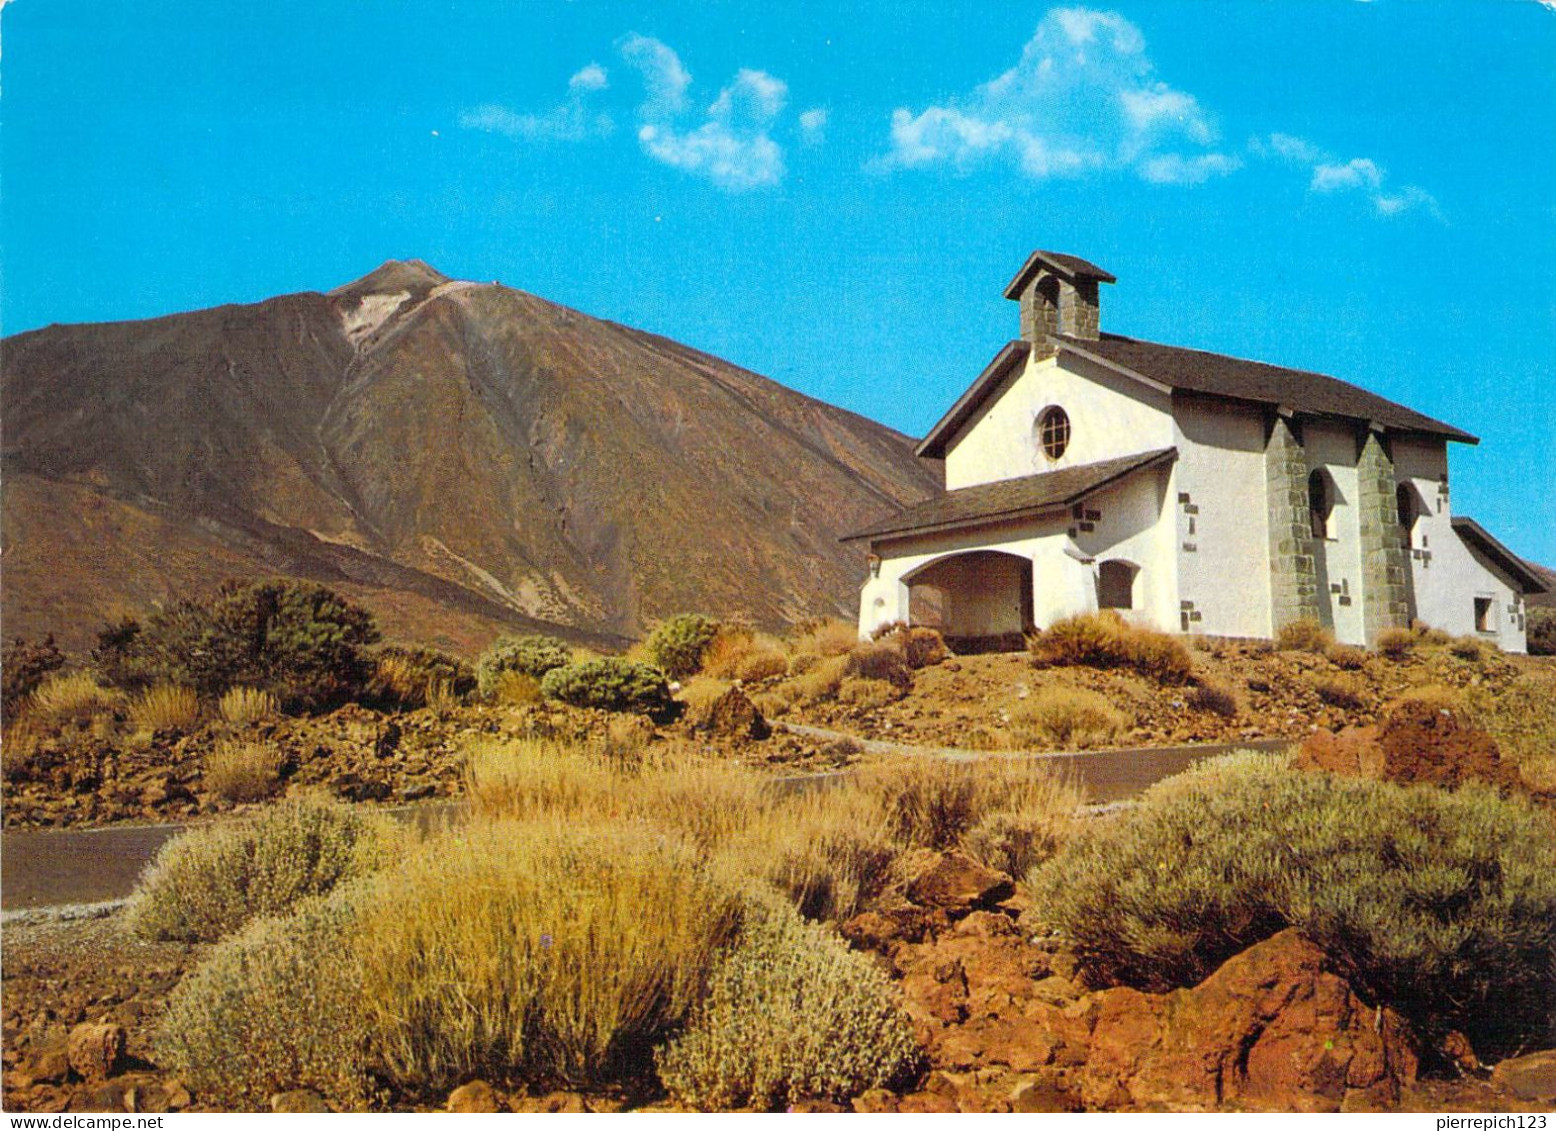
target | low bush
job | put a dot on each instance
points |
(1213, 699)
(266, 1011)
(612, 684)
(743, 654)
(881, 660)
(1303, 636)
(407, 678)
(1105, 640)
(677, 645)
(1426, 634)
(243, 771)
(165, 707)
(515, 689)
(921, 646)
(533, 656)
(790, 1014)
(1347, 657)
(821, 681)
(824, 638)
(1471, 649)
(24, 664)
(1069, 717)
(1395, 643)
(575, 947)
(243, 705)
(75, 695)
(302, 642)
(1441, 904)
(1343, 691)
(1541, 626)
(764, 661)
(211, 880)
(867, 694)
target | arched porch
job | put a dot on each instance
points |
(980, 600)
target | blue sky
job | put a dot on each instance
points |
(834, 195)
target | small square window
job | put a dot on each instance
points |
(1485, 614)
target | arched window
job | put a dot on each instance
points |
(1405, 500)
(1053, 431)
(1319, 503)
(1116, 585)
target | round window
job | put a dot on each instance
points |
(1053, 432)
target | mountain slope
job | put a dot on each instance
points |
(462, 456)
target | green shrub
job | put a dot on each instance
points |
(405, 678)
(23, 666)
(301, 642)
(270, 1010)
(612, 684)
(533, 656)
(1303, 636)
(791, 1013)
(1542, 632)
(1105, 640)
(1441, 904)
(213, 879)
(678, 645)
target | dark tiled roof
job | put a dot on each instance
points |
(1011, 498)
(1012, 355)
(1518, 569)
(1071, 265)
(1214, 373)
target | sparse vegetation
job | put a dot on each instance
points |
(1106, 640)
(243, 705)
(1440, 903)
(1214, 698)
(1396, 643)
(165, 707)
(405, 678)
(1066, 717)
(1347, 657)
(1470, 649)
(678, 645)
(243, 771)
(72, 695)
(612, 684)
(790, 1013)
(24, 665)
(532, 655)
(1304, 636)
(301, 642)
(1541, 626)
(1522, 719)
(210, 881)
(867, 694)
(921, 647)
(1343, 691)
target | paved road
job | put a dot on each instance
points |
(57, 867)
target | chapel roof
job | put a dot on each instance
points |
(1520, 571)
(1008, 499)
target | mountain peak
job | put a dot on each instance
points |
(396, 275)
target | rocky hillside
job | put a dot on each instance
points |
(460, 457)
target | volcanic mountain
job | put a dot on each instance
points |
(460, 457)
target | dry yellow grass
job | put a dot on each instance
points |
(545, 949)
(1070, 717)
(831, 637)
(1522, 719)
(243, 771)
(165, 707)
(515, 689)
(867, 693)
(1106, 640)
(701, 692)
(822, 680)
(1303, 636)
(72, 694)
(242, 705)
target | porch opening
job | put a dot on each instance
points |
(981, 600)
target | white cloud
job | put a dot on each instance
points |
(663, 76)
(1359, 172)
(813, 125)
(573, 120)
(1330, 175)
(1081, 97)
(592, 77)
(733, 146)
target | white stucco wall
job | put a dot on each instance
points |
(1447, 575)
(1333, 447)
(1224, 518)
(1133, 523)
(1110, 416)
